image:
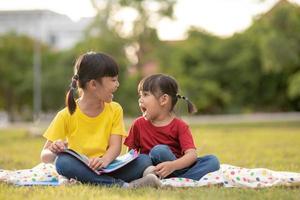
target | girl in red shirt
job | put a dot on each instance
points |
(166, 138)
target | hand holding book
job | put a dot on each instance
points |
(58, 146)
(97, 163)
(119, 162)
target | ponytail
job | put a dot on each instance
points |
(70, 102)
(191, 107)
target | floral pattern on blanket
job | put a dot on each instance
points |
(232, 176)
(42, 174)
(227, 176)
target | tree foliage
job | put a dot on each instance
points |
(253, 71)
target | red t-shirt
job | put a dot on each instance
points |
(143, 136)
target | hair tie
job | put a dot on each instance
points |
(181, 97)
(73, 84)
(75, 77)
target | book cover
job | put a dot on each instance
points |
(119, 162)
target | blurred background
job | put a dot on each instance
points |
(229, 57)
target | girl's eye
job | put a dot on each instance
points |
(143, 94)
(114, 79)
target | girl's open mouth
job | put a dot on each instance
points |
(144, 110)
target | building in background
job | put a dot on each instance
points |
(54, 29)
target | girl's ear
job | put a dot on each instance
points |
(164, 99)
(92, 84)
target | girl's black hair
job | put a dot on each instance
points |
(89, 66)
(159, 84)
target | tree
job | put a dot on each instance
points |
(16, 73)
(294, 90)
(276, 34)
(250, 71)
(16, 83)
(57, 71)
(142, 34)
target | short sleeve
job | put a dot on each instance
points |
(118, 127)
(132, 140)
(57, 128)
(186, 138)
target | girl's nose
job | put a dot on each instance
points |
(117, 84)
(140, 100)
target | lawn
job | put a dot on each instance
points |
(269, 145)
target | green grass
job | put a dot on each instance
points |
(269, 145)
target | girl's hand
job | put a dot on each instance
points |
(164, 169)
(97, 163)
(58, 146)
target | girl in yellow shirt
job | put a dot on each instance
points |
(93, 125)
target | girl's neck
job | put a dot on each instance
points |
(92, 107)
(163, 119)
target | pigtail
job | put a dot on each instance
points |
(70, 101)
(191, 107)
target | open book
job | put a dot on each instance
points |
(119, 162)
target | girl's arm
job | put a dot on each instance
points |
(113, 151)
(51, 149)
(166, 168)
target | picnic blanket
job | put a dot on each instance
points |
(42, 174)
(233, 176)
(226, 176)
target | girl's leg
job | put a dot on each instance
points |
(161, 153)
(203, 166)
(133, 170)
(70, 167)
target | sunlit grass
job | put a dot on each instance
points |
(273, 145)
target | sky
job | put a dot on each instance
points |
(219, 17)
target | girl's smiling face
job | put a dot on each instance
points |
(106, 88)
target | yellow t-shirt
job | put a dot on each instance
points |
(84, 134)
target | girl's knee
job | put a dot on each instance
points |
(214, 162)
(62, 163)
(144, 159)
(159, 149)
